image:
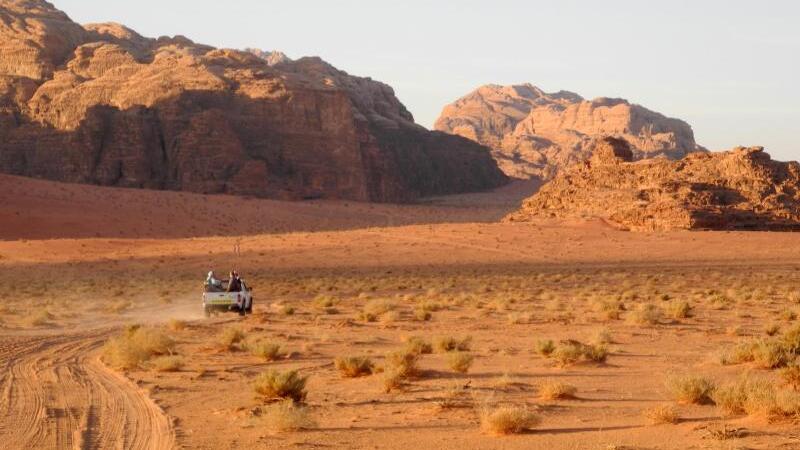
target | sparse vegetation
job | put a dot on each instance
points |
(274, 384)
(555, 390)
(662, 414)
(268, 350)
(167, 363)
(286, 416)
(460, 361)
(571, 352)
(645, 314)
(508, 419)
(230, 337)
(136, 346)
(354, 366)
(444, 344)
(689, 388)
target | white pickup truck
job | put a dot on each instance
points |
(241, 301)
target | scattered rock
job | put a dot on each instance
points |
(739, 189)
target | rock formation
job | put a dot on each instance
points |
(101, 104)
(738, 189)
(534, 134)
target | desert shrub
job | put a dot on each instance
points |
(507, 419)
(544, 347)
(287, 310)
(375, 308)
(419, 345)
(460, 361)
(554, 390)
(444, 344)
(135, 346)
(231, 336)
(422, 315)
(791, 340)
(679, 309)
(39, 318)
(661, 414)
(176, 325)
(519, 318)
(286, 416)
(572, 352)
(689, 388)
(392, 378)
(403, 361)
(645, 314)
(791, 376)
(167, 363)
(766, 354)
(609, 308)
(602, 336)
(772, 329)
(270, 351)
(788, 315)
(757, 397)
(353, 366)
(276, 384)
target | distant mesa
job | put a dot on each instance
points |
(741, 189)
(100, 104)
(534, 134)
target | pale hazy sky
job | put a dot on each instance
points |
(729, 68)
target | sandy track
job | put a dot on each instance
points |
(56, 394)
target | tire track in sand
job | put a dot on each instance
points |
(56, 394)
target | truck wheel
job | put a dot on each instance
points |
(249, 309)
(242, 310)
(206, 312)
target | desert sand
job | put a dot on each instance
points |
(81, 264)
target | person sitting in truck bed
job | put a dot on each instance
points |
(234, 284)
(212, 283)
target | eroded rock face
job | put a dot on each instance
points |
(738, 189)
(101, 104)
(534, 134)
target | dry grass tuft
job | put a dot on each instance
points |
(645, 314)
(460, 361)
(136, 346)
(571, 352)
(679, 309)
(555, 390)
(354, 366)
(167, 363)
(176, 325)
(791, 376)
(231, 336)
(419, 345)
(662, 414)
(270, 351)
(274, 384)
(689, 388)
(503, 420)
(444, 344)
(286, 416)
(544, 347)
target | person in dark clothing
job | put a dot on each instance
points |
(234, 284)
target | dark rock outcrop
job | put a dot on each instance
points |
(738, 189)
(101, 104)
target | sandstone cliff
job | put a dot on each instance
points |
(739, 189)
(101, 104)
(534, 134)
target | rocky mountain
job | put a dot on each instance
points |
(534, 134)
(101, 104)
(738, 189)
